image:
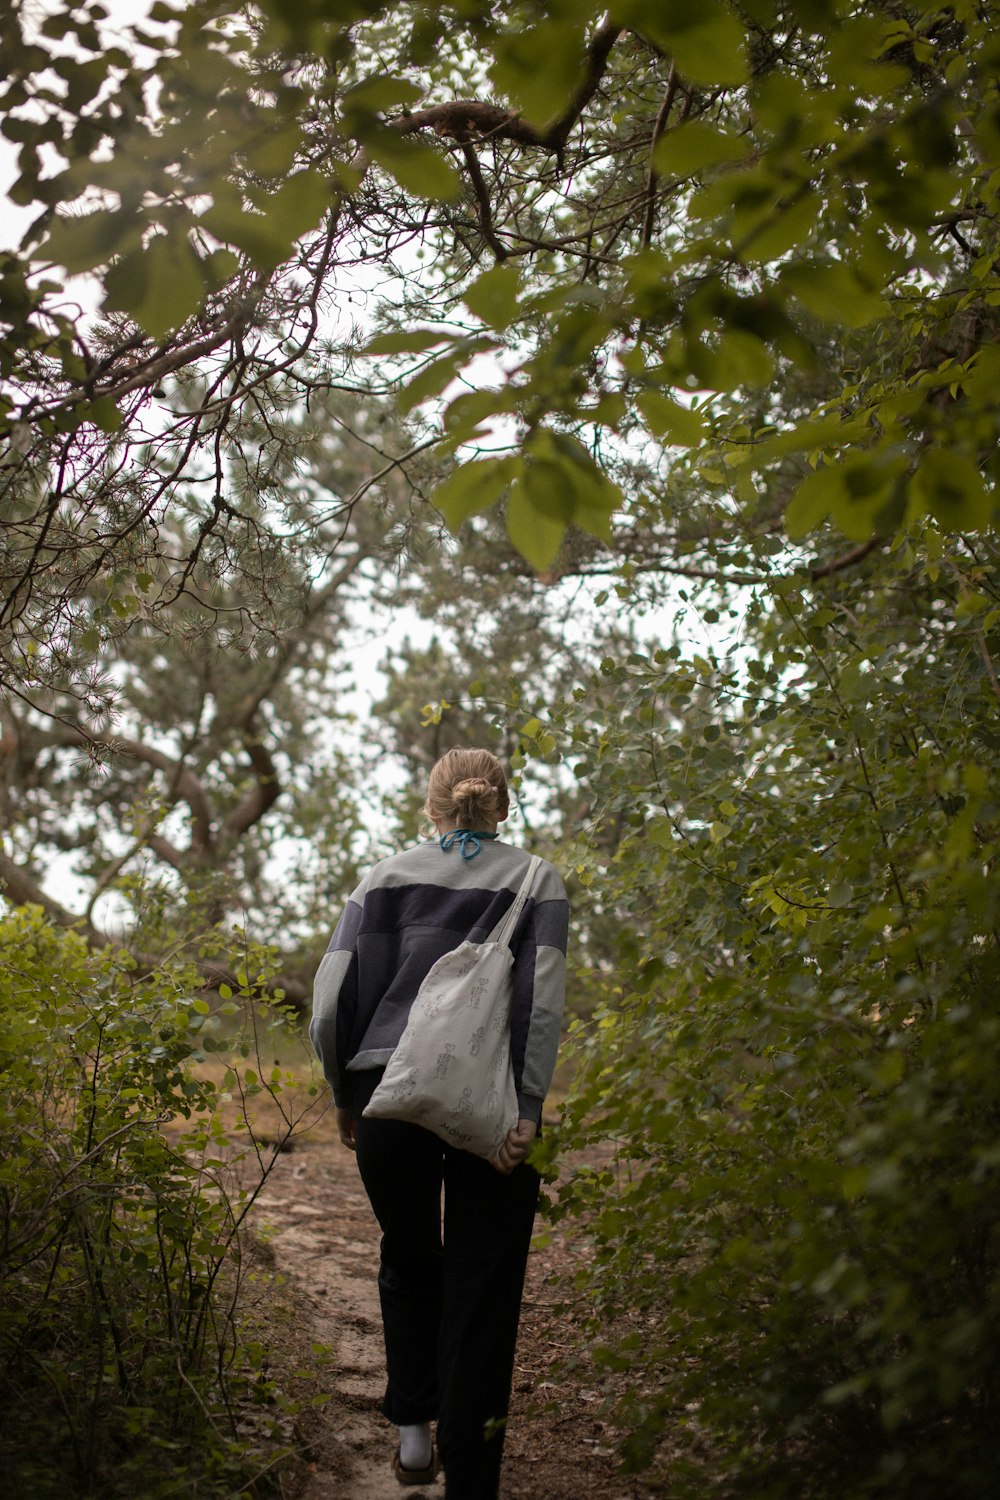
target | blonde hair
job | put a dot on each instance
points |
(467, 789)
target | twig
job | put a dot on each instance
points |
(483, 199)
(838, 564)
(658, 128)
(988, 663)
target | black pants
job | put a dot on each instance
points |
(451, 1302)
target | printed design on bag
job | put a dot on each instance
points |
(404, 1086)
(431, 1001)
(464, 1105)
(465, 968)
(476, 1041)
(500, 1019)
(492, 1099)
(444, 1058)
(477, 992)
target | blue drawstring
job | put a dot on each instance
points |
(469, 843)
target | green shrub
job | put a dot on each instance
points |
(122, 1197)
(796, 1240)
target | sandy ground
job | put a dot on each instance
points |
(325, 1240)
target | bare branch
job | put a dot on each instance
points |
(598, 52)
(464, 117)
(183, 784)
(483, 199)
(22, 889)
(261, 796)
(659, 126)
(847, 560)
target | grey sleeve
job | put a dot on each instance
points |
(548, 989)
(335, 993)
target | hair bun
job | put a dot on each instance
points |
(467, 785)
(470, 787)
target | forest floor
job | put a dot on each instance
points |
(324, 1239)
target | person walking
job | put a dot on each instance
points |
(450, 1286)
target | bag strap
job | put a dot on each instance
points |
(504, 930)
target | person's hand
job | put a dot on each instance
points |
(345, 1127)
(516, 1147)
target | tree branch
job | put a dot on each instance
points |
(165, 850)
(658, 128)
(464, 117)
(183, 784)
(847, 560)
(262, 795)
(598, 52)
(483, 199)
(22, 889)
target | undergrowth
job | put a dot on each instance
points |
(133, 1350)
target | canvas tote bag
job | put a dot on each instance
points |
(451, 1071)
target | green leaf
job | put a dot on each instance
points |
(494, 296)
(565, 484)
(740, 360)
(679, 425)
(540, 67)
(714, 50)
(299, 204)
(950, 486)
(219, 267)
(81, 242)
(869, 500)
(378, 93)
(433, 378)
(274, 155)
(692, 147)
(784, 228)
(812, 501)
(862, 492)
(260, 236)
(473, 487)
(536, 536)
(549, 486)
(421, 170)
(104, 414)
(406, 341)
(159, 287)
(805, 437)
(465, 415)
(707, 41)
(832, 291)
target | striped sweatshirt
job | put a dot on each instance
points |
(405, 914)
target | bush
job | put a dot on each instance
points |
(121, 1209)
(796, 1242)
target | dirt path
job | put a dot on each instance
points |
(325, 1240)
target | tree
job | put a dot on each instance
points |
(668, 204)
(192, 756)
(751, 208)
(718, 286)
